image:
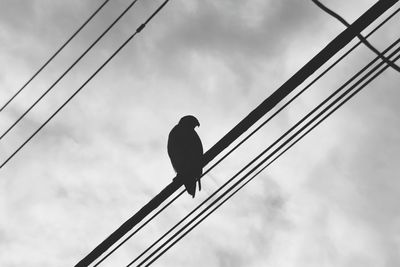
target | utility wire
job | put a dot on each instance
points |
(247, 137)
(69, 68)
(279, 155)
(255, 175)
(54, 55)
(275, 151)
(365, 41)
(138, 30)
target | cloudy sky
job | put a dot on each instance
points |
(332, 200)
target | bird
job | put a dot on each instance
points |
(185, 151)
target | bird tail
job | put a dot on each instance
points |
(189, 183)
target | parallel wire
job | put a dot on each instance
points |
(86, 82)
(245, 139)
(68, 70)
(269, 156)
(54, 55)
(368, 44)
(279, 155)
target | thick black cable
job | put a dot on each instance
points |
(84, 84)
(364, 40)
(248, 136)
(289, 131)
(264, 160)
(68, 70)
(275, 151)
(255, 175)
(54, 55)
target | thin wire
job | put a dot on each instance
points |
(344, 22)
(54, 55)
(247, 137)
(68, 70)
(86, 82)
(267, 158)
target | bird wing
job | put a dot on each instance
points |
(185, 149)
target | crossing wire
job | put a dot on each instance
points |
(274, 152)
(365, 41)
(248, 136)
(53, 56)
(68, 69)
(138, 30)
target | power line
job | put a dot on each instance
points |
(365, 41)
(270, 102)
(68, 70)
(54, 55)
(303, 90)
(248, 136)
(280, 139)
(257, 173)
(274, 152)
(139, 29)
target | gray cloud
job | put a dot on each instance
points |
(104, 156)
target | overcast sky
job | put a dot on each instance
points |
(332, 200)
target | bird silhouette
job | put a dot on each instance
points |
(186, 153)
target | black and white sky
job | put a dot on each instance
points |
(332, 200)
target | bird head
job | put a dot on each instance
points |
(189, 121)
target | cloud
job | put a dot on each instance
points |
(104, 156)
